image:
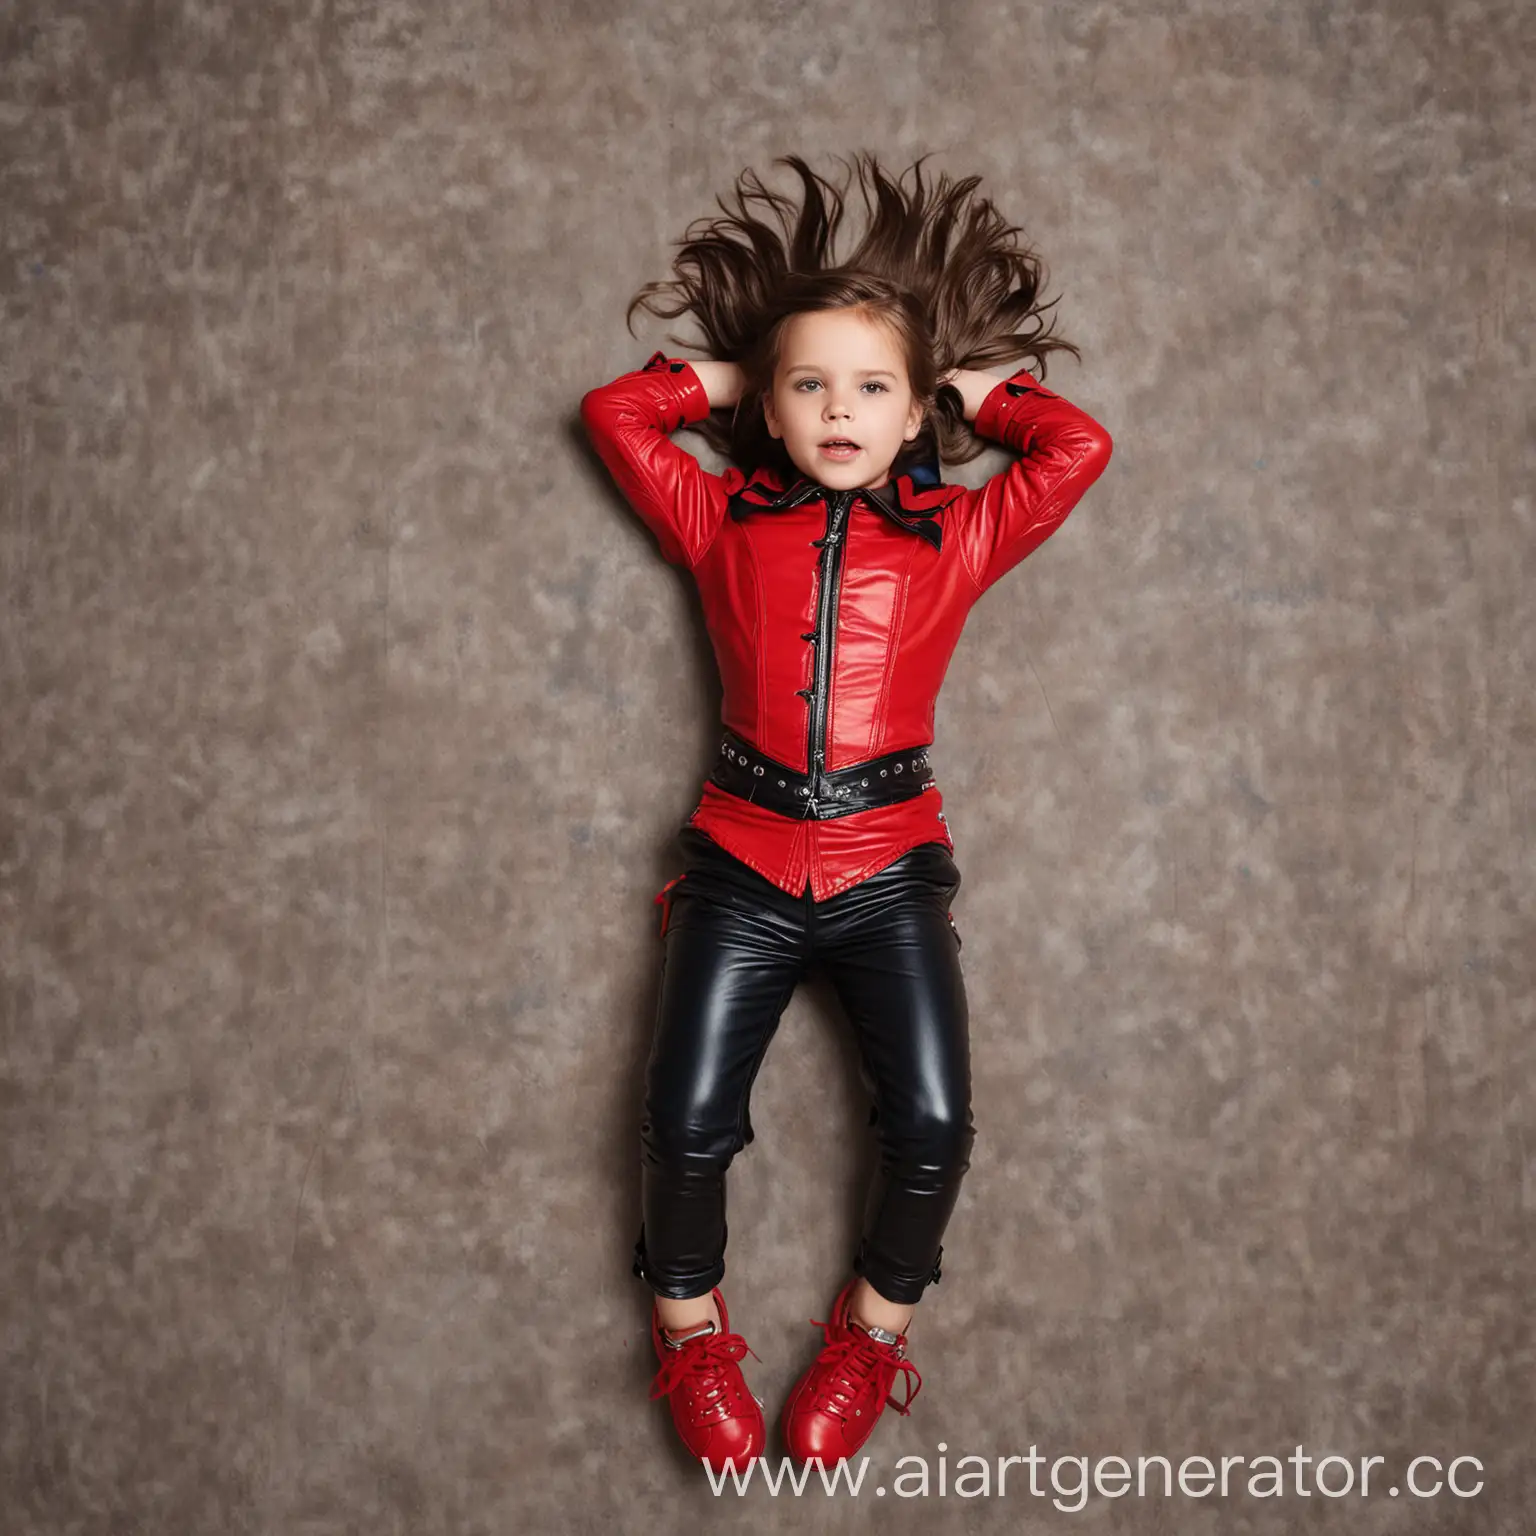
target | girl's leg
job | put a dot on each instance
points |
(734, 952)
(894, 960)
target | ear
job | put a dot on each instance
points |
(914, 421)
(769, 416)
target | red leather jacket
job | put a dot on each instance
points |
(913, 561)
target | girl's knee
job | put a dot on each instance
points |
(941, 1139)
(688, 1143)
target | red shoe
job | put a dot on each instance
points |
(719, 1419)
(835, 1405)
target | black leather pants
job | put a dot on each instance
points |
(735, 946)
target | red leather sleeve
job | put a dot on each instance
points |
(1062, 451)
(630, 423)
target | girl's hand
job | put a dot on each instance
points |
(972, 386)
(723, 382)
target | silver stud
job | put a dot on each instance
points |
(863, 781)
(899, 767)
(781, 783)
(758, 770)
(882, 773)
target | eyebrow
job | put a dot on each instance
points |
(868, 373)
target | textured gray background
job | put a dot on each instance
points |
(349, 716)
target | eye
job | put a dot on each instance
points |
(868, 384)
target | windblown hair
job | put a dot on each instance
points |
(953, 279)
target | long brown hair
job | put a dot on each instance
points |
(953, 279)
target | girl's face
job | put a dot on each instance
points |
(841, 375)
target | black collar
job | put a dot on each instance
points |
(902, 499)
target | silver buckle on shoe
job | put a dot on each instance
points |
(885, 1336)
(693, 1333)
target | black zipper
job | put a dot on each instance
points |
(831, 546)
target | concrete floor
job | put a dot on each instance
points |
(349, 716)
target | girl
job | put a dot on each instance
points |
(836, 570)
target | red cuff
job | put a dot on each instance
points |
(1003, 403)
(692, 397)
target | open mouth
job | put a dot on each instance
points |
(839, 448)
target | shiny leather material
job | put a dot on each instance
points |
(718, 1417)
(834, 614)
(899, 500)
(743, 771)
(837, 1402)
(735, 948)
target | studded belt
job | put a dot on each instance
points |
(743, 771)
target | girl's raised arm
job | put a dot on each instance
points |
(630, 423)
(1062, 451)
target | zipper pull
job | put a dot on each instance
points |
(821, 788)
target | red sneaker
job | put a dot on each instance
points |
(834, 1406)
(719, 1419)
